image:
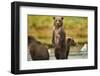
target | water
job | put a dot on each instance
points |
(85, 56)
(72, 55)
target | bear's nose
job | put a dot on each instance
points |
(57, 22)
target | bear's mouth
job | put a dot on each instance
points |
(58, 25)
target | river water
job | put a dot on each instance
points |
(76, 54)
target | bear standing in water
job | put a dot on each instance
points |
(58, 40)
(61, 43)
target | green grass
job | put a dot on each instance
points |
(41, 28)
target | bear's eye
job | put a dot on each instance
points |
(56, 20)
(60, 20)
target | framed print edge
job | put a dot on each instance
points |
(96, 38)
(15, 38)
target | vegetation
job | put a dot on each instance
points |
(41, 28)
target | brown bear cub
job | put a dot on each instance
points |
(69, 42)
(58, 40)
(61, 43)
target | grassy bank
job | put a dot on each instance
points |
(41, 28)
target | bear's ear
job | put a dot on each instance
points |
(53, 17)
(62, 18)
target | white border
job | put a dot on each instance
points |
(26, 65)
